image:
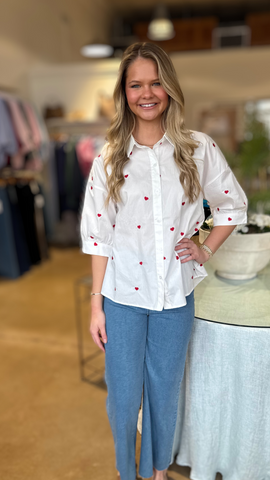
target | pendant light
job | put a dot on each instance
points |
(161, 27)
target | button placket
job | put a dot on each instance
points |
(157, 213)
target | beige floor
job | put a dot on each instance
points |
(53, 426)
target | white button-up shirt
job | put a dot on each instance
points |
(139, 234)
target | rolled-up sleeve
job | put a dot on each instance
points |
(98, 221)
(227, 199)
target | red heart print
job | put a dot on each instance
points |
(126, 176)
(136, 288)
(214, 145)
(200, 264)
(182, 233)
(91, 236)
(99, 214)
(99, 155)
(197, 223)
(244, 203)
(196, 229)
(130, 153)
(141, 263)
(146, 198)
(160, 143)
(164, 258)
(112, 258)
(226, 191)
(229, 218)
(177, 258)
(218, 209)
(139, 226)
(114, 289)
(113, 226)
(91, 187)
(92, 179)
(192, 277)
(172, 229)
(183, 203)
(95, 244)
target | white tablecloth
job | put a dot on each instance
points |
(223, 422)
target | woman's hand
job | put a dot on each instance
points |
(98, 327)
(191, 249)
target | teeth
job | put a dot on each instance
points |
(148, 105)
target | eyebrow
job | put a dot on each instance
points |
(138, 81)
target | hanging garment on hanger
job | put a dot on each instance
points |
(9, 266)
(22, 251)
(27, 209)
(21, 129)
(85, 150)
(8, 142)
(33, 122)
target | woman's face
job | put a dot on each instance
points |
(146, 97)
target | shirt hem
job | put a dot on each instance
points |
(143, 306)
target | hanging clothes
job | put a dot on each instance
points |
(8, 143)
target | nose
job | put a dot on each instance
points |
(147, 92)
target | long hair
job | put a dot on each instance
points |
(123, 124)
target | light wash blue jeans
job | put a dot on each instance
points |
(145, 353)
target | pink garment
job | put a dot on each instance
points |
(21, 129)
(35, 130)
(86, 154)
(17, 161)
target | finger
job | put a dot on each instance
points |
(97, 340)
(99, 343)
(103, 335)
(187, 259)
(188, 251)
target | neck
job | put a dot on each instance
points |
(148, 133)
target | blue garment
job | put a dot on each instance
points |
(8, 142)
(145, 353)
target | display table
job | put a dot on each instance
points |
(223, 422)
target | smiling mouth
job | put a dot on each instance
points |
(148, 105)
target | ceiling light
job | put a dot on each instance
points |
(97, 50)
(161, 27)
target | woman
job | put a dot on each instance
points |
(143, 202)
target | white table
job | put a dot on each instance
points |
(223, 422)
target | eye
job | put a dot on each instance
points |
(157, 83)
(134, 86)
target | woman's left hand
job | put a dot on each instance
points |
(191, 249)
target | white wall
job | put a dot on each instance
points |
(207, 78)
(75, 86)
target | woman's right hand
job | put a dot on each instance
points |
(98, 328)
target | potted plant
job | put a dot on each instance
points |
(245, 252)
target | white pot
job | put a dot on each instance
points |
(240, 257)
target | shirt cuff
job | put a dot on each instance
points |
(229, 218)
(96, 248)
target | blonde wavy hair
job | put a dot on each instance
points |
(123, 124)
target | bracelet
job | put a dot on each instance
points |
(207, 249)
(96, 293)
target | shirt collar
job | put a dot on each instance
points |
(133, 142)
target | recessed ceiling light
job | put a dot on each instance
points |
(97, 50)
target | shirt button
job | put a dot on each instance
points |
(160, 277)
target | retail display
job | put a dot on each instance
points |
(223, 420)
